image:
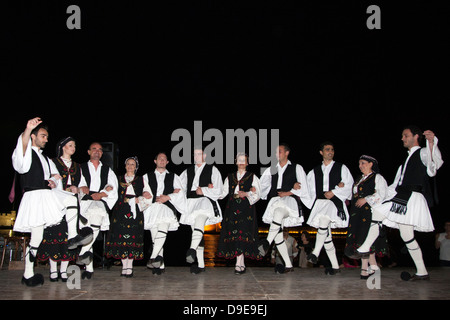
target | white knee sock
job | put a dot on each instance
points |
(197, 231)
(124, 265)
(130, 266)
(53, 269)
(407, 234)
(71, 215)
(331, 251)
(63, 269)
(159, 236)
(277, 223)
(322, 234)
(90, 265)
(200, 256)
(37, 234)
(88, 247)
(282, 249)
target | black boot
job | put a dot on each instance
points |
(36, 280)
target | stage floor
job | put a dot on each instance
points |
(220, 283)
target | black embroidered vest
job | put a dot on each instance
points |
(137, 183)
(365, 188)
(244, 184)
(74, 172)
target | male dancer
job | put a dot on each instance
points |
(330, 185)
(284, 208)
(44, 203)
(409, 198)
(161, 216)
(203, 185)
(99, 187)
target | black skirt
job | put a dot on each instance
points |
(239, 230)
(126, 234)
(54, 244)
(358, 228)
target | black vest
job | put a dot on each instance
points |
(365, 188)
(289, 179)
(415, 177)
(204, 179)
(34, 178)
(244, 184)
(74, 172)
(103, 176)
(168, 188)
(137, 183)
(333, 180)
(168, 183)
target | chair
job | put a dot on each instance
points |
(19, 242)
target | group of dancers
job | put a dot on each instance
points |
(65, 205)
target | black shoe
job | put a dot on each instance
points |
(83, 237)
(36, 280)
(331, 271)
(241, 270)
(312, 258)
(87, 275)
(191, 255)
(416, 277)
(196, 270)
(263, 247)
(85, 258)
(129, 275)
(280, 268)
(52, 279)
(158, 271)
(365, 277)
(157, 262)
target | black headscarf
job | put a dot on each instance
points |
(61, 144)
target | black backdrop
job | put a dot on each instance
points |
(134, 73)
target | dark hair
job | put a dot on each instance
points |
(325, 143)
(39, 127)
(415, 130)
(95, 142)
(285, 146)
(161, 152)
